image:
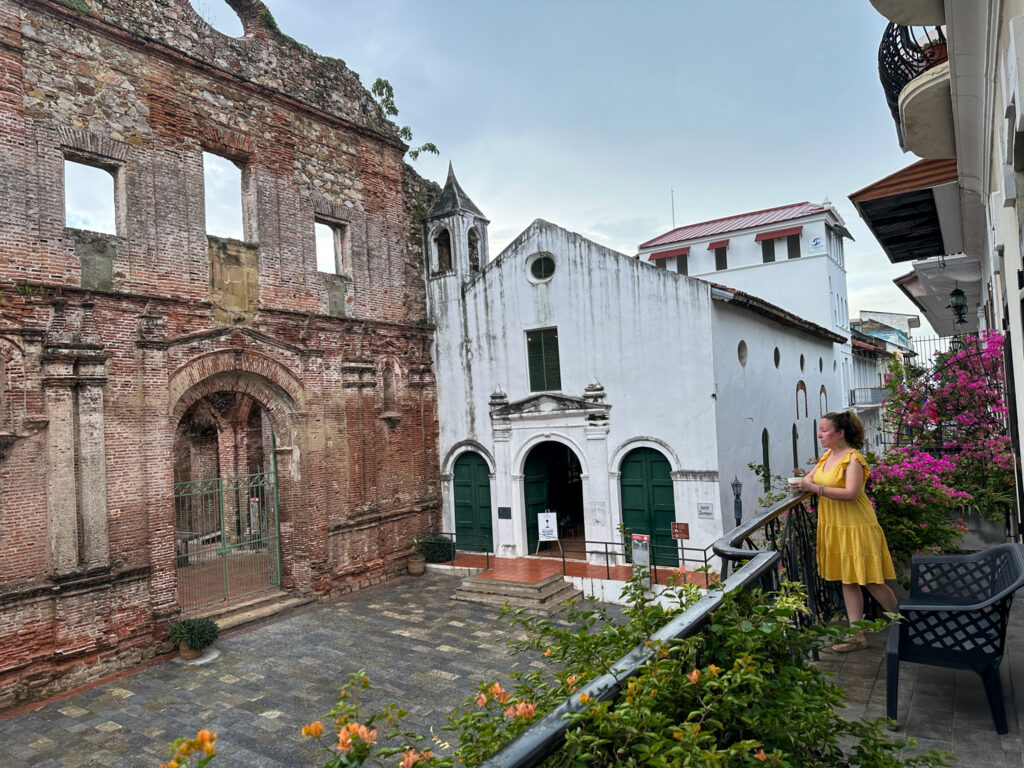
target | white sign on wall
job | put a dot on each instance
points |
(705, 512)
(547, 526)
(816, 245)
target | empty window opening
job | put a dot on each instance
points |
(681, 264)
(333, 254)
(822, 401)
(542, 360)
(443, 247)
(766, 461)
(796, 448)
(721, 262)
(801, 389)
(390, 401)
(474, 250)
(219, 16)
(89, 198)
(222, 184)
(767, 251)
(793, 246)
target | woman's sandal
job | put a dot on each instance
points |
(858, 643)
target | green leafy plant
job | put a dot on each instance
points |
(437, 549)
(269, 21)
(417, 549)
(384, 93)
(197, 634)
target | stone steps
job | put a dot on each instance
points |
(543, 598)
(252, 610)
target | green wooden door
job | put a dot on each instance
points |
(472, 487)
(647, 504)
(535, 486)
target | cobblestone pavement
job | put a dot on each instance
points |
(419, 648)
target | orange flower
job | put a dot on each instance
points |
(584, 697)
(694, 676)
(713, 669)
(499, 693)
(760, 755)
(481, 700)
(314, 729)
(547, 652)
(410, 757)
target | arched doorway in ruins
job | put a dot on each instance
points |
(226, 528)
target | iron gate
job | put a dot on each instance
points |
(226, 538)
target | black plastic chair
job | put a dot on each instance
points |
(956, 617)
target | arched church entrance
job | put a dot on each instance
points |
(471, 484)
(552, 482)
(647, 504)
(226, 534)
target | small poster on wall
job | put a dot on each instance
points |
(547, 526)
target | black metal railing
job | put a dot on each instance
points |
(473, 544)
(905, 53)
(665, 559)
(772, 547)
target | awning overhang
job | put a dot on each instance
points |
(915, 213)
(777, 233)
(669, 254)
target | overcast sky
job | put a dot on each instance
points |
(588, 113)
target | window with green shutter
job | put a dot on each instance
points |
(542, 358)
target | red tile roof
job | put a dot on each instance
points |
(732, 223)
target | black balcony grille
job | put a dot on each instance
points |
(906, 52)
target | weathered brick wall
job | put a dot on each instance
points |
(108, 340)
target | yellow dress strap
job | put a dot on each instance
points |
(845, 462)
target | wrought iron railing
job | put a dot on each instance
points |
(905, 53)
(772, 547)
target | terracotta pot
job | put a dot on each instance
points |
(188, 653)
(417, 566)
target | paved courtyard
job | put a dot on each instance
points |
(426, 651)
(418, 647)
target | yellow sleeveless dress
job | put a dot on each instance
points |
(851, 544)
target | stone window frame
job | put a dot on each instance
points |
(101, 152)
(342, 243)
(339, 215)
(239, 149)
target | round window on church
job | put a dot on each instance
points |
(542, 267)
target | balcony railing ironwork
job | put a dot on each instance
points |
(905, 53)
(775, 546)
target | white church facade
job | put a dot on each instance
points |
(575, 379)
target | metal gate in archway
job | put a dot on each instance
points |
(226, 538)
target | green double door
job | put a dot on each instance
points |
(647, 504)
(472, 487)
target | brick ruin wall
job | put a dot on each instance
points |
(106, 340)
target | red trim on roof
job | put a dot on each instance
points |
(718, 244)
(776, 234)
(728, 224)
(669, 254)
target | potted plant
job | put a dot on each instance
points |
(193, 636)
(417, 562)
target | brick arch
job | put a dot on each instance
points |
(268, 382)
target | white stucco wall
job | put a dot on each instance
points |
(645, 335)
(759, 396)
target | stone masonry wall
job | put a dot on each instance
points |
(106, 340)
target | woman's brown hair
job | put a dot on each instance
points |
(850, 425)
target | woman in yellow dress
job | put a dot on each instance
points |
(851, 544)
